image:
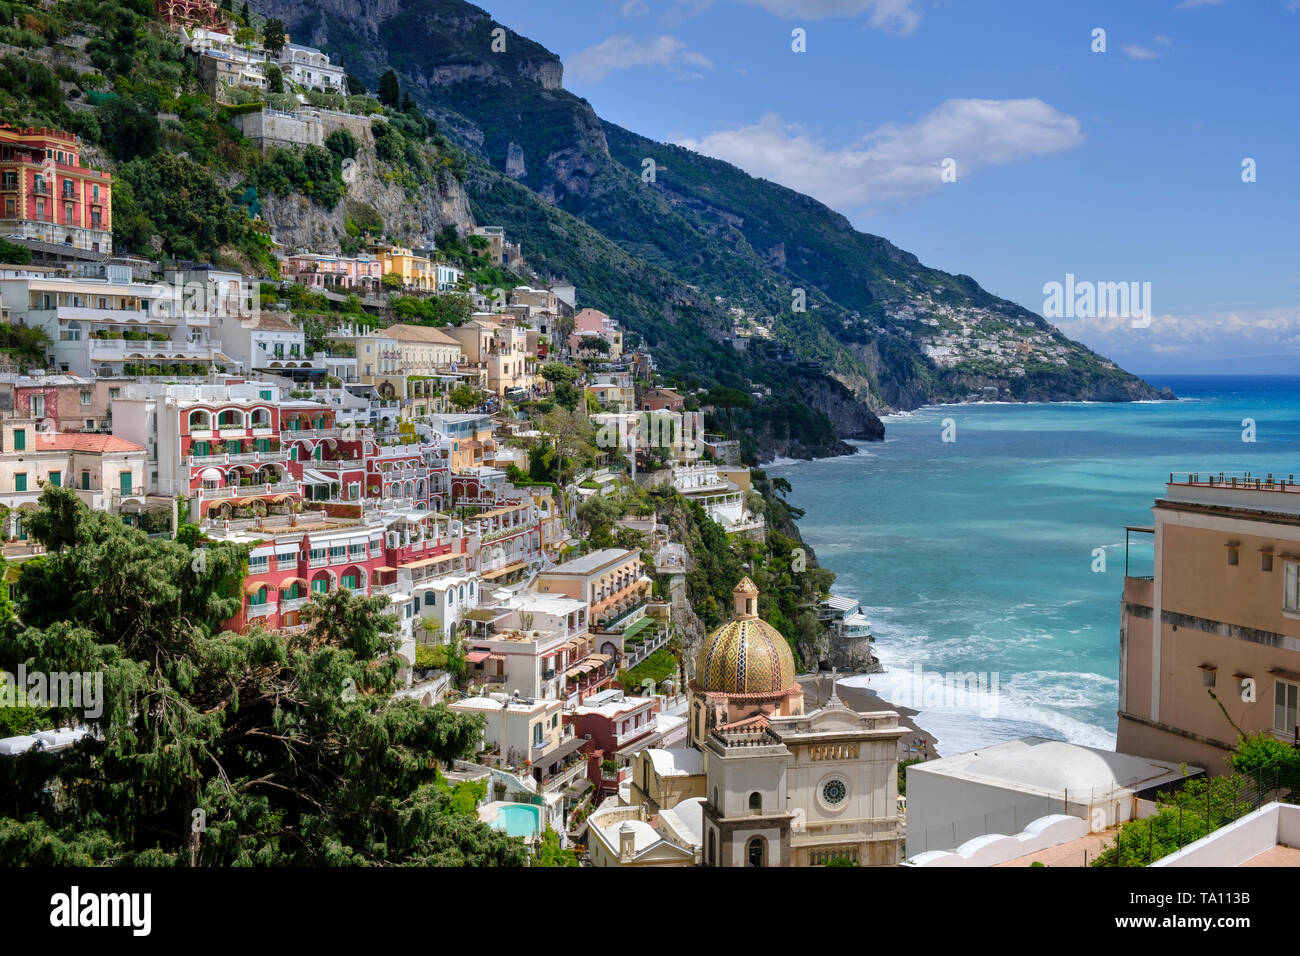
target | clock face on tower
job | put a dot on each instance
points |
(834, 791)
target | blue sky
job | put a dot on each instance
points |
(1123, 165)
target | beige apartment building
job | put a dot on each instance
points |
(425, 350)
(1210, 643)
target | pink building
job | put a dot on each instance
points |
(362, 273)
(592, 323)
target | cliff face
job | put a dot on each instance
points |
(412, 214)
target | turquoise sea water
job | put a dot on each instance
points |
(977, 555)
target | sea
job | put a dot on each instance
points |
(986, 543)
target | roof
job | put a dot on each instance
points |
(591, 562)
(837, 603)
(676, 761)
(272, 323)
(1042, 766)
(421, 333)
(686, 820)
(100, 444)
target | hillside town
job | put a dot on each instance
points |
(569, 555)
(491, 481)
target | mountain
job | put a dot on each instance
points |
(705, 262)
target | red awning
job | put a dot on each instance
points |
(477, 657)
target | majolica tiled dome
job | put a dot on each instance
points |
(746, 655)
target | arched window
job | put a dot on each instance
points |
(711, 859)
(755, 802)
(755, 851)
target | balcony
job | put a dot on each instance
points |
(261, 610)
(246, 457)
(290, 435)
(118, 494)
(607, 625)
(120, 348)
(292, 604)
(250, 491)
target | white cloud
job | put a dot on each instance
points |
(622, 52)
(634, 8)
(896, 161)
(1159, 48)
(1219, 335)
(894, 16)
(1187, 4)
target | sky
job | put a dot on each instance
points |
(1123, 164)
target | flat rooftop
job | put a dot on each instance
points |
(1046, 767)
(591, 562)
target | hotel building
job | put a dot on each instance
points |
(1210, 642)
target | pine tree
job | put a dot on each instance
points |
(273, 37)
(218, 748)
(389, 91)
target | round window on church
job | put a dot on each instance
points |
(834, 792)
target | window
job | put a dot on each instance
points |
(537, 734)
(755, 802)
(338, 554)
(1209, 675)
(1234, 554)
(1266, 561)
(1286, 706)
(356, 550)
(85, 398)
(258, 596)
(319, 586)
(755, 851)
(1291, 585)
(20, 439)
(114, 393)
(350, 582)
(259, 564)
(85, 480)
(38, 406)
(20, 481)
(56, 479)
(834, 792)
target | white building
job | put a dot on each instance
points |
(110, 325)
(1005, 787)
(264, 342)
(309, 67)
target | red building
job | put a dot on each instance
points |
(661, 400)
(189, 13)
(48, 195)
(284, 571)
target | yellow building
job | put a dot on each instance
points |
(417, 272)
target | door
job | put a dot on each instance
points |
(124, 483)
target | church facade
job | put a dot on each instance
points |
(785, 788)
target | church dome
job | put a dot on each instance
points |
(746, 655)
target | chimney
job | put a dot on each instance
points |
(626, 842)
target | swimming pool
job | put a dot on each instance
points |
(518, 819)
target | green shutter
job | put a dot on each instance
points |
(85, 481)
(124, 482)
(20, 439)
(20, 481)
